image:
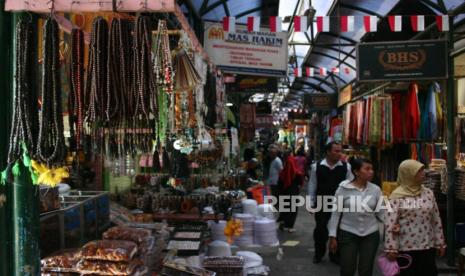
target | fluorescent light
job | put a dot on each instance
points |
(229, 104)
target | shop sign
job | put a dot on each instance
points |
(319, 102)
(403, 60)
(345, 95)
(254, 84)
(253, 53)
(264, 121)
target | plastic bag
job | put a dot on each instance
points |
(62, 261)
(107, 268)
(109, 250)
(136, 235)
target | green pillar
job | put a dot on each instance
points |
(5, 117)
(25, 204)
(451, 161)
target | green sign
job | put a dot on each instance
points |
(403, 60)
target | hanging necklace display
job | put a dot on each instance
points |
(24, 124)
(51, 141)
(119, 83)
(144, 89)
(96, 101)
(75, 99)
(164, 75)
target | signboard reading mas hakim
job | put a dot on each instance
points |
(402, 60)
(252, 53)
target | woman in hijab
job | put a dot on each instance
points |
(413, 226)
(290, 180)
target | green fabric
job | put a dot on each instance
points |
(162, 116)
(230, 116)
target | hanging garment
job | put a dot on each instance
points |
(234, 142)
(412, 113)
(397, 116)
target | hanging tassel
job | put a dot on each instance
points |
(166, 161)
(186, 77)
(156, 161)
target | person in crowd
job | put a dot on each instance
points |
(301, 161)
(290, 180)
(413, 226)
(276, 166)
(325, 177)
(355, 234)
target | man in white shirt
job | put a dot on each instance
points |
(325, 177)
(276, 166)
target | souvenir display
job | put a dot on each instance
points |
(109, 250)
(127, 233)
(62, 261)
(106, 267)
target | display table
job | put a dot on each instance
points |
(185, 217)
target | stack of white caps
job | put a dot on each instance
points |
(265, 232)
(249, 206)
(217, 230)
(246, 238)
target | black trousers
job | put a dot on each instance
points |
(423, 263)
(289, 218)
(320, 234)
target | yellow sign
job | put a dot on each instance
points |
(345, 95)
(216, 33)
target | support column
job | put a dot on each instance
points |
(25, 201)
(5, 118)
(451, 141)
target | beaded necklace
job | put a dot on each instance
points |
(24, 123)
(51, 141)
(75, 99)
(96, 94)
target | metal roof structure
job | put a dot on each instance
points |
(328, 49)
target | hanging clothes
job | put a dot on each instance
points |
(412, 114)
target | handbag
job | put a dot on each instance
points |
(392, 268)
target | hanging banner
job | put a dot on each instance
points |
(320, 102)
(403, 60)
(345, 95)
(253, 84)
(253, 53)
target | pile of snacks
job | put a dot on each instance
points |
(124, 251)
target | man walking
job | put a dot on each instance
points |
(276, 166)
(325, 177)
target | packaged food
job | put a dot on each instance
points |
(62, 261)
(137, 235)
(107, 267)
(109, 250)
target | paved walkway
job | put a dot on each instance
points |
(297, 260)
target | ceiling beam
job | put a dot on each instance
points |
(334, 58)
(203, 6)
(338, 50)
(360, 9)
(226, 9)
(339, 36)
(292, 19)
(213, 6)
(247, 12)
(434, 6)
